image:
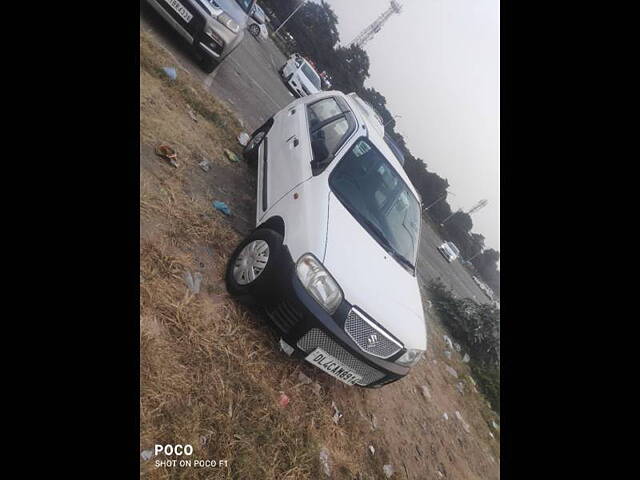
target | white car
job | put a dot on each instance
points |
(333, 255)
(300, 77)
(449, 251)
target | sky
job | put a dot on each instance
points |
(438, 65)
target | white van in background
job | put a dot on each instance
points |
(449, 251)
(300, 77)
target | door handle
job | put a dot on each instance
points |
(295, 142)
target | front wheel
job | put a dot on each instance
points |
(252, 268)
(254, 30)
(207, 63)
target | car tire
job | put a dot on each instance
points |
(207, 64)
(262, 287)
(250, 151)
(254, 30)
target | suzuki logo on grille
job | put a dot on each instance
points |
(372, 340)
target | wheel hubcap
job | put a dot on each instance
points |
(251, 262)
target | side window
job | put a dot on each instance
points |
(322, 111)
(327, 139)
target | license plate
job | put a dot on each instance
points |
(180, 10)
(332, 366)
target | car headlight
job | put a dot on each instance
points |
(410, 357)
(319, 282)
(229, 22)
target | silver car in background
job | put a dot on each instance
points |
(258, 23)
(213, 27)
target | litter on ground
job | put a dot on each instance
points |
(283, 401)
(205, 165)
(168, 153)
(231, 156)
(192, 114)
(171, 72)
(337, 414)
(243, 139)
(146, 454)
(193, 281)
(325, 462)
(222, 207)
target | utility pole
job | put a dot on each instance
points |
(445, 220)
(477, 206)
(444, 194)
(369, 32)
(292, 14)
(468, 260)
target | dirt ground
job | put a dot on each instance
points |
(211, 373)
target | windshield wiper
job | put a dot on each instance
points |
(385, 243)
(403, 259)
(375, 230)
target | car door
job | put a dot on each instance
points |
(308, 131)
(289, 154)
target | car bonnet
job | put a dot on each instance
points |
(373, 280)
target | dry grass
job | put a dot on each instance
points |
(165, 104)
(210, 370)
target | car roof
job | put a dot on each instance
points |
(304, 60)
(377, 138)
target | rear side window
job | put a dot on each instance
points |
(330, 125)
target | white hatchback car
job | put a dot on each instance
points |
(300, 77)
(333, 256)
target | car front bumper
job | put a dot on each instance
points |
(194, 30)
(304, 325)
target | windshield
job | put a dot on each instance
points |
(375, 194)
(311, 75)
(245, 4)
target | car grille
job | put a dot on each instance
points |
(369, 337)
(316, 338)
(284, 315)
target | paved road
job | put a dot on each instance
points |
(248, 81)
(432, 265)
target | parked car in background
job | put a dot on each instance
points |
(213, 28)
(300, 77)
(326, 81)
(449, 251)
(257, 25)
(333, 256)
